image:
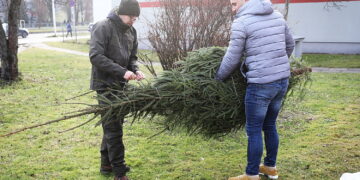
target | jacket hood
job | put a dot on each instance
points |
(255, 7)
(116, 19)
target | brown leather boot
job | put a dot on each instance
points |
(271, 173)
(107, 169)
(121, 178)
(245, 177)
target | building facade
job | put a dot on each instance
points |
(333, 30)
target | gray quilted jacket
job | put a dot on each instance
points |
(261, 35)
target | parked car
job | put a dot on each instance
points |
(23, 32)
(90, 27)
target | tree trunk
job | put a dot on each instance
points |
(88, 11)
(50, 10)
(23, 15)
(3, 45)
(287, 2)
(4, 4)
(9, 64)
(68, 12)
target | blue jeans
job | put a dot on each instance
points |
(262, 106)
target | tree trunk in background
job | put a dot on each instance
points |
(49, 9)
(68, 12)
(9, 65)
(5, 5)
(79, 12)
(88, 8)
(23, 15)
(287, 2)
(3, 45)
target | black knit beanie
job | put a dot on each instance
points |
(129, 7)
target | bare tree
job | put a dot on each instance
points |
(68, 11)
(88, 8)
(81, 7)
(286, 13)
(3, 46)
(330, 4)
(23, 10)
(185, 25)
(9, 47)
(79, 15)
(41, 11)
(334, 4)
(4, 4)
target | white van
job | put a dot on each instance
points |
(23, 32)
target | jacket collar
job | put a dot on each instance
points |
(118, 22)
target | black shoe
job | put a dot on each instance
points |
(127, 169)
(107, 170)
(121, 178)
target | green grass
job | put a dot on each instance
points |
(81, 45)
(333, 60)
(319, 136)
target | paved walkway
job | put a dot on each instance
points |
(37, 40)
(336, 70)
(315, 69)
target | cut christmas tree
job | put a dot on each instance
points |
(188, 97)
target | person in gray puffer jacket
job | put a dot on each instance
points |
(261, 36)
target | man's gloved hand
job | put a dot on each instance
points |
(130, 76)
(139, 76)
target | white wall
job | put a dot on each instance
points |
(321, 25)
(326, 30)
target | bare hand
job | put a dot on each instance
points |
(130, 76)
(139, 75)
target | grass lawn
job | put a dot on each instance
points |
(319, 136)
(333, 60)
(81, 45)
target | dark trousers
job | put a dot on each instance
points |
(112, 147)
(69, 32)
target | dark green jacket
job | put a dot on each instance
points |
(113, 49)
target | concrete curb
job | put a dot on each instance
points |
(336, 70)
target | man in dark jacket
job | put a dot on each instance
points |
(113, 49)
